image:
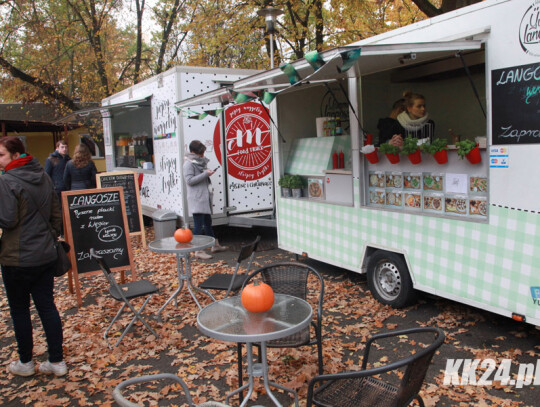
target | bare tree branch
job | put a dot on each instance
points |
(47, 89)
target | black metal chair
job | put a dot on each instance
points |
(124, 293)
(124, 402)
(233, 282)
(361, 388)
(292, 278)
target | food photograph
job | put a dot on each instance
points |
(478, 206)
(433, 202)
(315, 188)
(434, 182)
(394, 180)
(377, 179)
(394, 198)
(478, 184)
(413, 200)
(457, 205)
(412, 181)
(377, 196)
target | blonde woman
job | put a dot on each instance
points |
(80, 172)
(414, 120)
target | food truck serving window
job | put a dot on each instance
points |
(131, 128)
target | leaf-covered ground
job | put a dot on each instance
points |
(209, 366)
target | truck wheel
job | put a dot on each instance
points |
(389, 280)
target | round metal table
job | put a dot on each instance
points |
(228, 320)
(183, 265)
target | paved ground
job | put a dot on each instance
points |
(351, 315)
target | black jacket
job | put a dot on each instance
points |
(387, 128)
(55, 165)
(80, 178)
(26, 237)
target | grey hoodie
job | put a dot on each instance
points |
(197, 181)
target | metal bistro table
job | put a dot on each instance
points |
(183, 265)
(228, 320)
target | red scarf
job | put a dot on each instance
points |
(19, 162)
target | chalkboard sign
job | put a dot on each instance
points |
(96, 219)
(127, 180)
(516, 104)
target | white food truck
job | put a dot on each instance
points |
(463, 231)
(144, 132)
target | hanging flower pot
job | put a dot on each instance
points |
(416, 157)
(441, 157)
(391, 152)
(372, 157)
(438, 149)
(474, 156)
(469, 149)
(393, 158)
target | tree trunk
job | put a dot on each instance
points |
(167, 30)
(138, 52)
(319, 25)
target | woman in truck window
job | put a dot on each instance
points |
(414, 120)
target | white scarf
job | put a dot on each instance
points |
(411, 124)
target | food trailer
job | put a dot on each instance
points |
(463, 231)
(145, 133)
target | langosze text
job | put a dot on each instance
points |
(95, 199)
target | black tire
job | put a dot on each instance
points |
(389, 280)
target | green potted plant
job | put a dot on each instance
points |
(296, 184)
(410, 148)
(470, 150)
(438, 149)
(285, 184)
(391, 152)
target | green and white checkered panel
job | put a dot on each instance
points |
(311, 156)
(493, 264)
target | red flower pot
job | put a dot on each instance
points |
(372, 157)
(441, 157)
(474, 156)
(393, 158)
(416, 157)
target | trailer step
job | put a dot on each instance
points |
(262, 218)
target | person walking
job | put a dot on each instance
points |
(55, 165)
(80, 172)
(28, 256)
(199, 194)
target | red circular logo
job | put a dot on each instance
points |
(247, 141)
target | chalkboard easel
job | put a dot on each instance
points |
(128, 181)
(96, 219)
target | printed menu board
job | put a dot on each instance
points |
(435, 193)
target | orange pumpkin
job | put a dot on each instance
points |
(183, 235)
(257, 297)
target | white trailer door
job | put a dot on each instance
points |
(242, 140)
(242, 147)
